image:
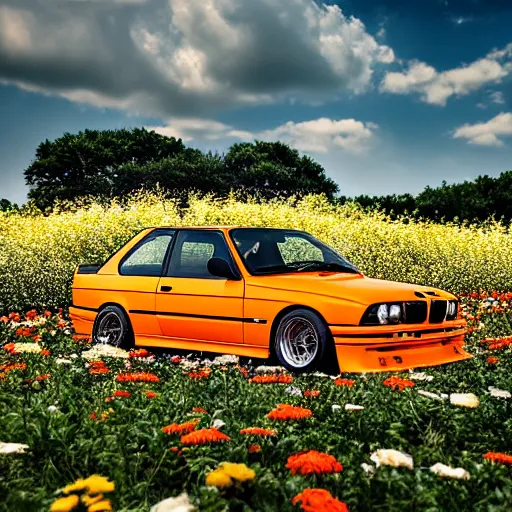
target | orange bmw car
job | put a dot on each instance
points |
(261, 291)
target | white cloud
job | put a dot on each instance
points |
(487, 134)
(186, 58)
(437, 87)
(321, 135)
(497, 97)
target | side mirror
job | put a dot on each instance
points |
(220, 268)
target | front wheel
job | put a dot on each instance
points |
(301, 340)
(112, 327)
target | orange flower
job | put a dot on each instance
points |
(204, 436)
(493, 360)
(243, 371)
(98, 368)
(174, 449)
(309, 462)
(319, 500)
(344, 382)
(43, 377)
(181, 428)
(45, 352)
(204, 373)
(199, 410)
(312, 393)
(62, 324)
(498, 457)
(47, 314)
(142, 352)
(14, 317)
(398, 383)
(10, 348)
(256, 431)
(288, 412)
(137, 377)
(122, 394)
(498, 343)
(254, 448)
(4, 319)
(24, 331)
(36, 338)
(151, 394)
(15, 366)
(31, 315)
(80, 337)
(271, 379)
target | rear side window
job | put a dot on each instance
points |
(147, 258)
(193, 250)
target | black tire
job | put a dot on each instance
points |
(302, 334)
(113, 319)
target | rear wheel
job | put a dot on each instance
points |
(112, 327)
(301, 340)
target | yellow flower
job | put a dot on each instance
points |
(65, 504)
(97, 484)
(101, 506)
(91, 500)
(239, 472)
(218, 478)
(79, 485)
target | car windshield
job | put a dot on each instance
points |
(276, 251)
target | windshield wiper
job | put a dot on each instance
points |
(322, 265)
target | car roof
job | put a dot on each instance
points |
(222, 228)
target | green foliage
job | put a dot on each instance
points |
(6, 206)
(471, 200)
(130, 449)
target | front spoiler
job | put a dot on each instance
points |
(382, 350)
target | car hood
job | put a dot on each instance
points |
(352, 287)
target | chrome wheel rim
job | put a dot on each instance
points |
(298, 341)
(109, 330)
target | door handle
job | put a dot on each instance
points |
(165, 288)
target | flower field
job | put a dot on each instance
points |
(38, 254)
(97, 428)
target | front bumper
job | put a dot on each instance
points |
(398, 347)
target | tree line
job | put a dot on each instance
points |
(114, 163)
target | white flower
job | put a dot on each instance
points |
(33, 348)
(13, 448)
(464, 400)
(394, 458)
(352, 407)
(421, 376)
(368, 468)
(270, 369)
(178, 504)
(320, 375)
(292, 390)
(226, 359)
(430, 395)
(499, 393)
(53, 409)
(336, 407)
(104, 350)
(61, 360)
(189, 365)
(447, 471)
(218, 423)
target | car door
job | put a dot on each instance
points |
(191, 303)
(136, 283)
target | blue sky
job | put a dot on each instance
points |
(390, 96)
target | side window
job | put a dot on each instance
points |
(148, 257)
(193, 250)
(296, 248)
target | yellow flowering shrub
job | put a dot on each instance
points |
(38, 254)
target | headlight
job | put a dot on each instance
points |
(452, 310)
(382, 314)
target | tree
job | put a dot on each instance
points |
(6, 205)
(86, 163)
(273, 169)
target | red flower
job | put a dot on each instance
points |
(43, 377)
(287, 412)
(254, 448)
(10, 348)
(319, 500)
(45, 352)
(180, 428)
(137, 377)
(47, 314)
(175, 359)
(493, 360)
(142, 352)
(14, 317)
(151, 394)
(36, 338)
(200, 374)
(307, 463)
(31, 315)
(98, 368)
(312, 393)
(498, 457)
(271, 379)
(398, 383)
(204, 436)
(344, 382)
(122, 394)
(199, 410)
